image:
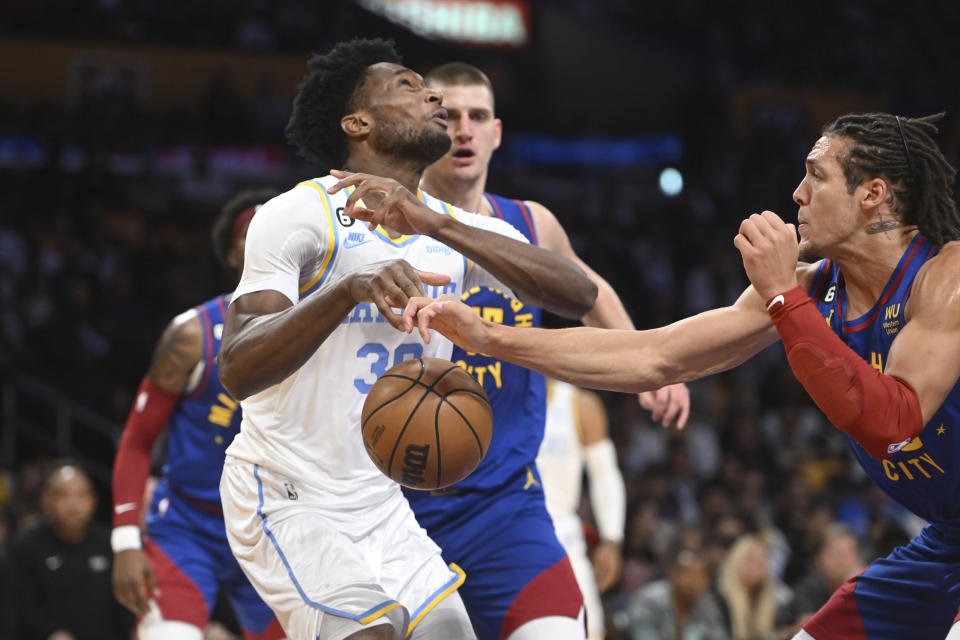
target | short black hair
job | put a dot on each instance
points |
(59, 465)
(328, 93)
(902, 152)
(223, 225)
(459, 74)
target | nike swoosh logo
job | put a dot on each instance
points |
(350, 244)
(776, 299)
(123, 508)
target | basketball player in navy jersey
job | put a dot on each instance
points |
(872, 331)
(171, 577)
(494, 523)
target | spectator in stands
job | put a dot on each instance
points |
(756, 603)
(61, 567)
(837, 559)
(681, 606)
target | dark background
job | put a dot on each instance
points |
(125, 125)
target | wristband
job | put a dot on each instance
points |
(125, 537)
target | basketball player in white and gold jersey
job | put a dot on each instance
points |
(328, 541)
(575, 438)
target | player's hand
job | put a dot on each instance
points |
(391, 284)
(769, 249)
(386, 202)
(451, 318)
(134, 583)
(607, 563)
(667, 405)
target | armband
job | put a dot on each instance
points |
(880, 412)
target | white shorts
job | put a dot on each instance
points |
(323, 573)
(570, 533)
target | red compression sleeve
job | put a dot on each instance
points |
(879, 411)
(148, 417)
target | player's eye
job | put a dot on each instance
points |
(479, 116)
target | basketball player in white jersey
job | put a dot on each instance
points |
(327, 540)
(576, 437)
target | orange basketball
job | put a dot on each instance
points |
(426, 423)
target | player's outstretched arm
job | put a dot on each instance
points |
(538, 277)
(266, 338)
(617, 360)
(670, 403)
(177, 353)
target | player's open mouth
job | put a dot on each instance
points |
(440, 117)
(463, 153)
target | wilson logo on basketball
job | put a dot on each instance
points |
(414, 462)
(375, 436)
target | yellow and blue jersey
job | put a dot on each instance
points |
(921, 473)
(494, 523)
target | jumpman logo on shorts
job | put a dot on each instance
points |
(531, 481)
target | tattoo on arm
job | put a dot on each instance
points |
(178, 352)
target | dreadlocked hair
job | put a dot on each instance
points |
(327, 93)
(905, 155)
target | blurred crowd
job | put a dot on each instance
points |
(739, 525)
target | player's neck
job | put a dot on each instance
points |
(867, 267)
(466, 194)
(405, 172)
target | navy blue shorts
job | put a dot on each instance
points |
(504, 540)
(912, 593)
(188, 549)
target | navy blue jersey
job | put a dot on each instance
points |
(517, 395)
(921, 473)
(203, 423)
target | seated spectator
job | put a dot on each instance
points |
(681, 606)
(756, 603)
(61, 567)
(837, 559)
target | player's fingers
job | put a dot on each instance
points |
(432, 278)
(742, 244)
(151, 581)
(347, 180)
(425, 317)
(674, 406)
(391, 316)
(684, 413)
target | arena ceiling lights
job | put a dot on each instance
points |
(491, 23)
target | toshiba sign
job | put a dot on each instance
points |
(498, 23)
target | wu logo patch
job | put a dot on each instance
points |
(291, 491)
(355, 239)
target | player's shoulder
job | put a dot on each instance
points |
(300, 203)
(807, 273)
(936, 288)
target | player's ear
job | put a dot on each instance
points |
(498, 126)
(876, 192)
(356, 124)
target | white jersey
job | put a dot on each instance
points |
(308, 426)
(561, 457)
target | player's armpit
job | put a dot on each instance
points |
(879, 411)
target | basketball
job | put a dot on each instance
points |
(426, 423)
